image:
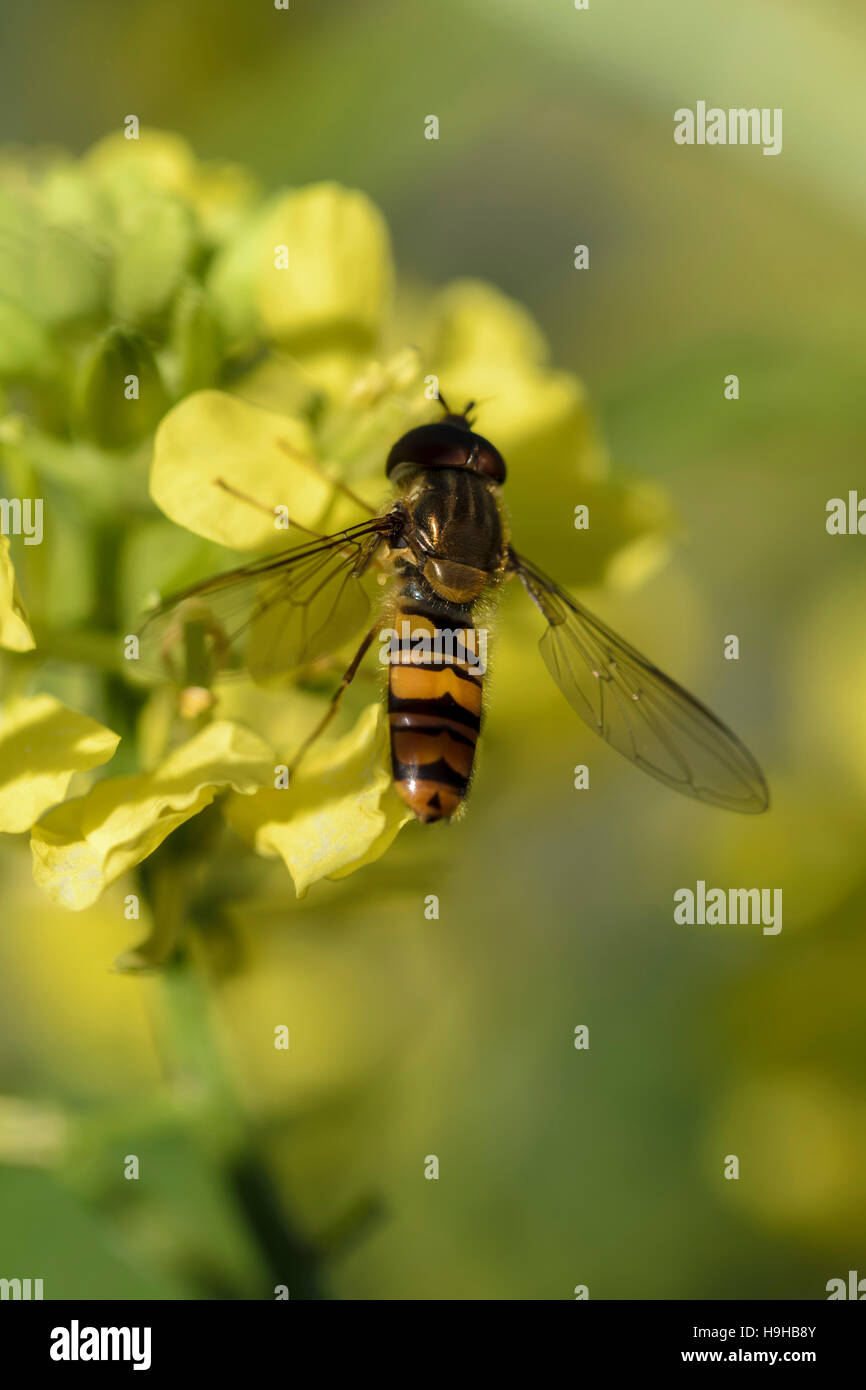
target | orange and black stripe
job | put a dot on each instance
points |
(434, 710)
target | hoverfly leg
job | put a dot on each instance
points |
(336, 699)
(327, 665)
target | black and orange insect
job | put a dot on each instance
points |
(443, 543)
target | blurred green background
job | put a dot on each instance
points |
(557, 1167)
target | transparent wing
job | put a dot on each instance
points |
(266, 618)
(639, 710)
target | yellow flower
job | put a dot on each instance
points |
(211, 436)
(219, 195)
(340, 812)
(42, 744)
(312, 271)
(293, 360)
(88, 842)
(338, 280)
(311, 275)
(15, 633)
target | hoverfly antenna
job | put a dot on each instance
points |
(470, 405)
(444, 404)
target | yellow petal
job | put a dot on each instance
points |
(15, 632)
(211, 436)
(338, 280)
(88, 842)
(42, 743)
(485, 347)
(472, 320)
(339, 813)
(626, 542)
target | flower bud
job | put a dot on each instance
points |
(120, 396)
(196, 341)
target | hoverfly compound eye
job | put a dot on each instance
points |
(489, 461)
(446, 444)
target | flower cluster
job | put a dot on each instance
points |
(162, 326)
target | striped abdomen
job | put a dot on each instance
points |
(434, 708)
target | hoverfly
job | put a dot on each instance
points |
(443, 543)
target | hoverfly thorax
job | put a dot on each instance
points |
(455, 536)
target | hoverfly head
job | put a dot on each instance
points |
(448, 443)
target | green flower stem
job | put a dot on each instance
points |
(162, 881)
(195, 1068)
(169, 880)
(99, 651)
(191, 1055)
(289, 1259)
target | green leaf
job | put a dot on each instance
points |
(48, 1233)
